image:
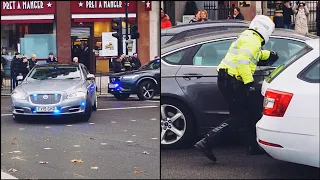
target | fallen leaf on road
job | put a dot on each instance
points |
(12, 170)
(69, 125)
(13, 143)
(77, 161)
(103, 144)
(94, 167)
(91, 123)
(47, 148)
(145, 152)
(92, 138)
(138, 171)
(14, 138)
(43, 162)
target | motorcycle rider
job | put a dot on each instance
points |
(235, 82)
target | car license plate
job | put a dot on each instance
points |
(45, 109)
(113, 85)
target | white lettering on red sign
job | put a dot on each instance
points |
(10, 5)
(101, 4)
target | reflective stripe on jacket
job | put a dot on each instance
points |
(243, 56)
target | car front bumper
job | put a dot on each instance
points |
(121, 88)
(64, 107)
(296, 147)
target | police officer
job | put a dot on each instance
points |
(235, 82)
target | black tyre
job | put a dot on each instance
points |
(87, 112)
(146, 90)
(95, 105)
(185, 125)
(121, 97)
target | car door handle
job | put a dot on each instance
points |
(191, 75)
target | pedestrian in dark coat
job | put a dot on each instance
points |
(237, 14)
(51, 58)
(135, 62)
(117, 65)
(14, 67)
(24, 67)
(287, 13)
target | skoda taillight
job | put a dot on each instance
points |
(276, 102)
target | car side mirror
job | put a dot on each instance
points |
(90, 77)
(19, 78)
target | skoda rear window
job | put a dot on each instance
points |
(287, 63)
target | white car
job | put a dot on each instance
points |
(289, 127)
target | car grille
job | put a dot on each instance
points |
(45, 98)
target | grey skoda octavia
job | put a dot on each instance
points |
(53, 90)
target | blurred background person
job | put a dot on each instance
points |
(14, 67)
(33, 61)
(135, 62)
(126, 63)
(165, 20)
(51, 58)
(76, 60)
(24, 66)
(203, 15)
(117, 65)
(237, 14)
(3, 63)
(301, 21)
(4, 52)
(287, 13)
(196, 17)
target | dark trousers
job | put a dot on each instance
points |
(287, 26)
(14, 81)
(237, 96)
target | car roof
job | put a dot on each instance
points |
(190, 26)
(58, 64)
(227, 34)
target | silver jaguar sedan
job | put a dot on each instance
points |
(53, 90)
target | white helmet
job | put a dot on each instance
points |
(264, 26)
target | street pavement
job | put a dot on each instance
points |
(123, 142)
(232, 163)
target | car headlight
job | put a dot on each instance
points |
(18, 95)
(130, 76)
(77, 95)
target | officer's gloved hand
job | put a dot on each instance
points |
(272, 58)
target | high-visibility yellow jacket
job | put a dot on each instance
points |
(243, 56)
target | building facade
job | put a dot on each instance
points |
(76, 29)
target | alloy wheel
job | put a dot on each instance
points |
(173, 124)
(148, 91)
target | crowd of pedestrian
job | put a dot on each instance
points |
(126, 63)
(20, 65)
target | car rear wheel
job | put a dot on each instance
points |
(122, 96)
(87, 111)
(177, 126)
(147, 90)
(95, 105)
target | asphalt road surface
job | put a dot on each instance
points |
(123, 142)
(232, 163)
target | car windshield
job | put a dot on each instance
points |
(58, 72)
(151, 65)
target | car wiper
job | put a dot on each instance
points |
(73, 78)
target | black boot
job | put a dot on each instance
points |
(204, 147)
(254, 150)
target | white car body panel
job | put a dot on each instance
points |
(298, 131)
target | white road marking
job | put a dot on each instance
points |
(154, 138)
(47, 148)
(76, 145)
(153, 119)
(129, 141)
(133, 120)
(103, 144)
(109, 109)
